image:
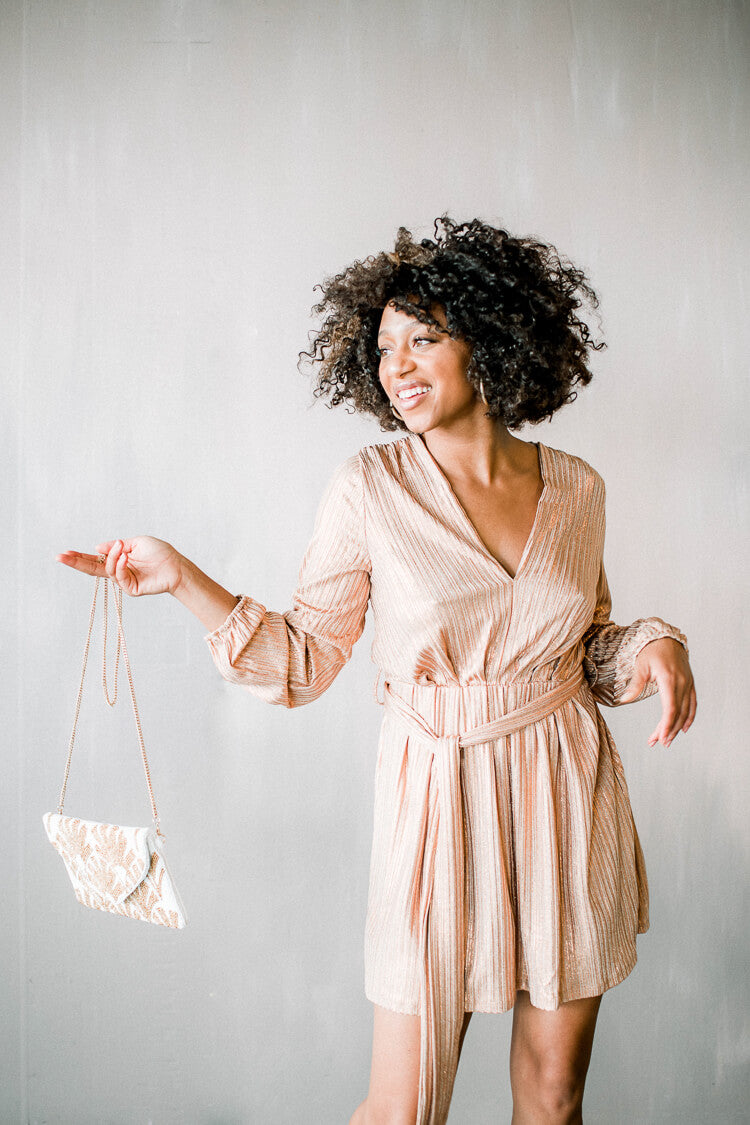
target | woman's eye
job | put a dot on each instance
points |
(417, 341)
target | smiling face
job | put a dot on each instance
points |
(423, 371)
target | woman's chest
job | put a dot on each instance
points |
(503, 518)
(427, 551)
(435, 589)
(508, 573)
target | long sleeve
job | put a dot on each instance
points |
(610, 650)
(291, 658)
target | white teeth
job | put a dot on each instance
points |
(413, 392)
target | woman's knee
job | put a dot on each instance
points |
(558, 1087)
(550, 1054)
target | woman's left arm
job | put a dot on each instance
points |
(624, 663)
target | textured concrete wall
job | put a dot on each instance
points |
(175, 178)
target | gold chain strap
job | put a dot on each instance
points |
(118, 596)
(117, 599)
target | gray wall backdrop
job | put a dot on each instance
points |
(176, 176)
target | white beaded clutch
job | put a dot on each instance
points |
(121, 870)
(118, 869)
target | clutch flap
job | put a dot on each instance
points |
(106, 861)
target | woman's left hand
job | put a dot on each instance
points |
(665, 663)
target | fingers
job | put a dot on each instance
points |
(679, 704)
(116, 566)
(87, 564)
(692, 709)
(123, 575)
(114, 561)
(112, 556)
(110, 562)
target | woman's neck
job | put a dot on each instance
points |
(480, 450)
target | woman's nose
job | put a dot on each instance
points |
(401, 362)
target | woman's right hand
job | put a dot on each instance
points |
(143, 565)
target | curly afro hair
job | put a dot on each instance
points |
(513, 299)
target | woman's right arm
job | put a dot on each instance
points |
(145, 565)
(291, 658)
(288, 658)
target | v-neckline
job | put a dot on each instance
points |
(544, 471)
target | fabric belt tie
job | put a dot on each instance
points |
(442, 932)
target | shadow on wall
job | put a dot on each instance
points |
(700, 1002)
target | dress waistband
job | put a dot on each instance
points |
(514, 720)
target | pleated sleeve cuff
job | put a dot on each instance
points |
(611, 652)
(228, 642)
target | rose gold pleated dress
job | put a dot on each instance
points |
(504, 855)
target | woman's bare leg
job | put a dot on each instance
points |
(394, 1076)
(549, 1058)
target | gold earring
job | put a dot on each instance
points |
(396, 413)
(482, 395)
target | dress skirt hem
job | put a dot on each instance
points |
(395, 1004)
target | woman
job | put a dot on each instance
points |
(506, 869)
